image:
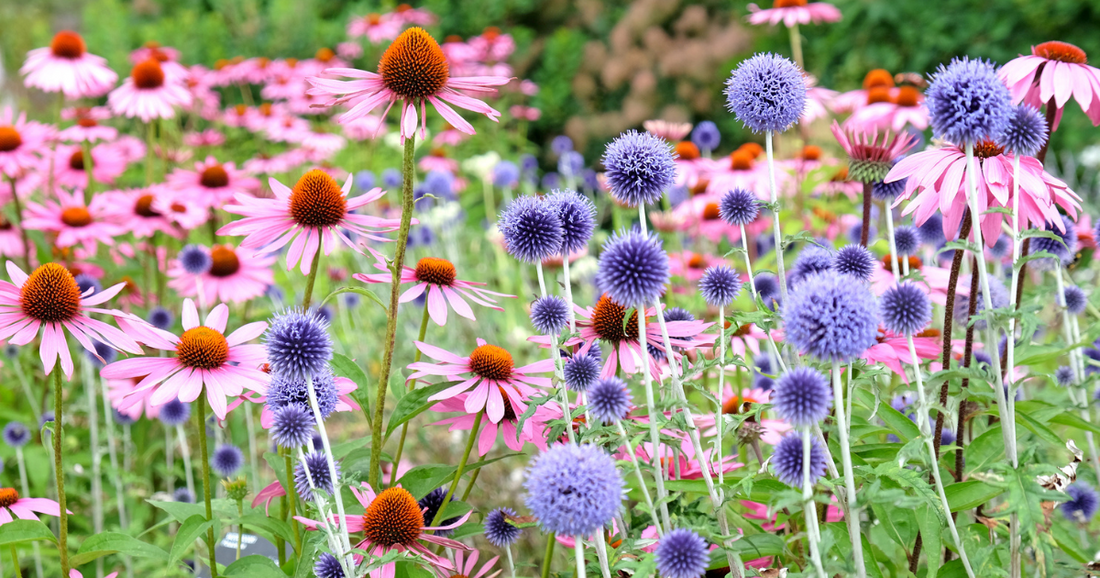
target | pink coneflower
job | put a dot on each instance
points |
(212, 183)
(413, 70)
(137, 211)
(410, 15)
(205, 358)
(738, 170)
(149, 93)
(24, 508)
(534, 428)
(22, 143)
(365, 127)
(281, 163)
(907, 109)
(207, 138)
(699, 216)
(870, 155)
(236, 275)
(11, 240)
(121, 394)
(314, 214)
(376, 27)
(878, 86)
(468, 567)
(670, 131)
(437, 160)
(73, 222)
(492, 376)
(793, 12)
(1054, 72)
(690, 265)
(818, 100)
(50, 299)
(88, 129)
(684, 462)
(448, 136)
(69, 168)
(892, 350)
(528, 113)
(439, 279)
(349, 50)
(180, 209)
(168, 58)
(66, 66)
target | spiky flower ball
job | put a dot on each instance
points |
(802, 397)
(813, 259)
(766, 93)
(298, 344)
(738, 207)
(430, 504)
(183, 495)
(682, 553)
(639, 168)
(1083, 502)
(905, 309)
(174, 413)
(907, 240)
(195, 259)
(1064, 376)
(633, 268)
(549, 314)
(831, 318)
(706, 135)
(292, 426)
(1063, 247)
(609, 400)
(327, 566)
(581, 371)
(967, 103)
(578, 219)
(498, 531)
(161, 318)
(855, 261)
(227, 459)
(1025, 132)
(16, 434)
(573, 490)
(532, 229)
(1076, 300)
(787, 460)
(318, 474)
(719, 285)
(284, 391)
(884, 191)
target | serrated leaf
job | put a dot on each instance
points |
(931, 530)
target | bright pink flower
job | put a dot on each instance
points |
(24, 508)
(149, 93)
(683, 462)
(438, 278)
(207, 138)
(88, 129)
(50, 299)
(700, 216)
(66, 66)
(528, 113)
(236, 275)
(413, 70)
(865, 148)
(818, 100)
(314, 214)
(378, 28)
(70, 170)
(468, 567)
(121, 394)
(437, 160)
(23, 143)
(74, 222)
(205, 359)
(892, 350)
(74, 573)
(691, 265)
(534, 428)
(365, 127)
(792, 12)
(907, 109)
(739, 170)
(1054, 72)
(212, 184)
(349, 50)
(11, 240)
(137, 211)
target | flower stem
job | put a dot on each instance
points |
(719, 415)
(185, 451)
(779, 270)
(511, 563)
(808, 509)
(654, 427)
(407, 171)
(890, 236)
(340, 525)
(796, 45)
(15, 562)
(93, 442)
(22, 231)
(558, 366)
(292, 500)
(842, 423)
(548, 554)
(568, 293)
(204, 454)
(412, 385)
(458, 472)
(641, 481)
(311, 279)
(578, 542)
(865, 230)
(59, 471)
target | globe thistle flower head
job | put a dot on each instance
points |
(161, 318)
(639, 168)
(1083, 502)
(762, 374)
(298, 344)
(284, 391)
(430, 504)
(561, 144)
(766, 93)
(121, 418)
(104, 354)
(767, 285)
(85, 282)
(1064, 376)
(719, 285)
(682, 554)
(318, 473)
(292, 426)
(1076, 300)
(871, 155)
(16, 434)
(183, 495)
(609, 400)
(905, 309)
(632, 269)
(1063, 248)
(812, 260)
(931, 231)
(573, 490)
(738, 207)
(327, 566)
(998, 294)
(581, 371)
(174, 413)
(549, 314)
(787, 460)
(1001, 247)
(498, 530)
(532, 229)
(706, 135)
(907, 240)
(391, 178)
(802, 397)
(227, 459)
(364, 180)
(884, 191)
(855, 261)
(505, 174)
(570, 163)
(967, 102)
(578, 218)
(195, 259)
(1025, 132)
(831, 318)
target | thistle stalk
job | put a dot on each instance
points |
(842, 422)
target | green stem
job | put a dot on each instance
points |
(15, 562)
(151, 137)
(307, 297)
(89, 165)
(470, 485)
(204, 452)
(547, 555)
(412, 385)
(240, 527)
(292, 501)
(407, 171)
(59, 471)
(796, 46)
(461, 466)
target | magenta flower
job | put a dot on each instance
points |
(892, 350)
(438, 278)
(22, 143)
(24, 508)
(315, 213)
(236, 275)
(869, 158)
(205, 357)
(137, 211)
(73, 222)
(1052, 73)
(132, 406)
(50, 299)
(376, 27)
(792, 12)
(907, 109)
(66, 66)
(212, 184)
(69, 168)
(149, 93)
(534, 428)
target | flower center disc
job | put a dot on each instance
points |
(67, 44)
(607, 321)
(144, 207)
(87, 122)
(811, 153)
(76, 161)
(414, 66)
(1060, 51)
(877, 94)
(9, 139)
(436, 271)
(788, 3)
(878, 77)
(8, 496)
(987, 149)
(317, 201)
(202, 348)
(148, 74)
(224, 261)
(687, 151)
(697, 261)
(491, 362)
(76, 217)
(50, 294)
(214, 177)
(908, 96)
(324, 54)
(741, 160)
(711, 212)
(392, 518)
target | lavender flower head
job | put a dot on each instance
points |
(161, 318)
(318, 473)
(706, 136)
(1064, 376)
(577, 214)
(831, 318)
(967, 103)
(505, 174)
(1025, 132)
(766, 93)
(532, 229)
(884, 191)
(298, 344)
(284, 391)
(907, 240)
(549, 314)
(787, 460)
(802, 397)
(682, 554)
(738, 207)
(573, 490)
(195, 259)
(581, 371)
(905, 309)
(16, 434)
(855, 261)
(227, 459)
(1083, 502)
(609, 400)
(174, 413)
(292, 426)
(327, 566)
(633, 269)
(719, 285)
(498, 531)
(1076, 300)
(639, 168)
(1063, 247)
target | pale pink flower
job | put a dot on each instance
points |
(792, 12)
(66, 66)
(212, 184)
(534, 430)
(378, 28)
(690, 265)
(670, 131)
(438, 281)
(528, 113)
(415, 16)
(72, 221)
(437, 160)
(236, 275)
(23, 143)
(468, 567)
(69, 169)
(149, 93)
(892, 350)
(24, 508)
(818, 100)
(120, 391)
(365, 127)
(88, 129)
(136, 210)
(349, 50)
(207, 138)
(1052, 73)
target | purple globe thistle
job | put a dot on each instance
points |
(907, 240)
(856, 230)
(633, 268)
(609, 400)
(121, 418)
(573, 490)
(1064, 376)
(16, 434)
(85, 282)
(298, 344)
(884, 191)
(706, 136)
(430, 505)
(767, 285)
(318, 472)
(227, 459)
(766, 93)
(1025, 132)
(532, 229)
(195, 259)
(174, 413)
(183, 495)
(364, 180)
(577, 214)
(505, 174)
(104, 354)
(902, 402)
(550, 180)
(498, 530)
(1082, 504)
(1001, 247)
(284, 391)
(855, 261)
(967, 103)
(831, 318)
(581, 371)
(787, 460)
(998, 294)
(802, 397)
(571, 163)
(719, 285)
(639, 168)
(682, 554)
(292, 426)
(1076, 300)
(549, 314)
(762, 374)
(1063, 247)
(905, 309)
(439, 184)
(391, 178)
(327, 566)
(561, 144)
(738, 207)
(931, 231)
(161, 318)
(812, 260)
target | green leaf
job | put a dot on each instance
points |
(1073, 420)
(357, 290)
(273, 526)
(758, 546)
(346, 367)
(181, 511)
(411, 405)
(253, 567)
(1070, 543)
(191, 529)
(108, 543)
(931, 527)
(423, 479)
(900, 524)
(1039, 429)
(902, 426)
(19, 531)
(970, 494)
(985, 450)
